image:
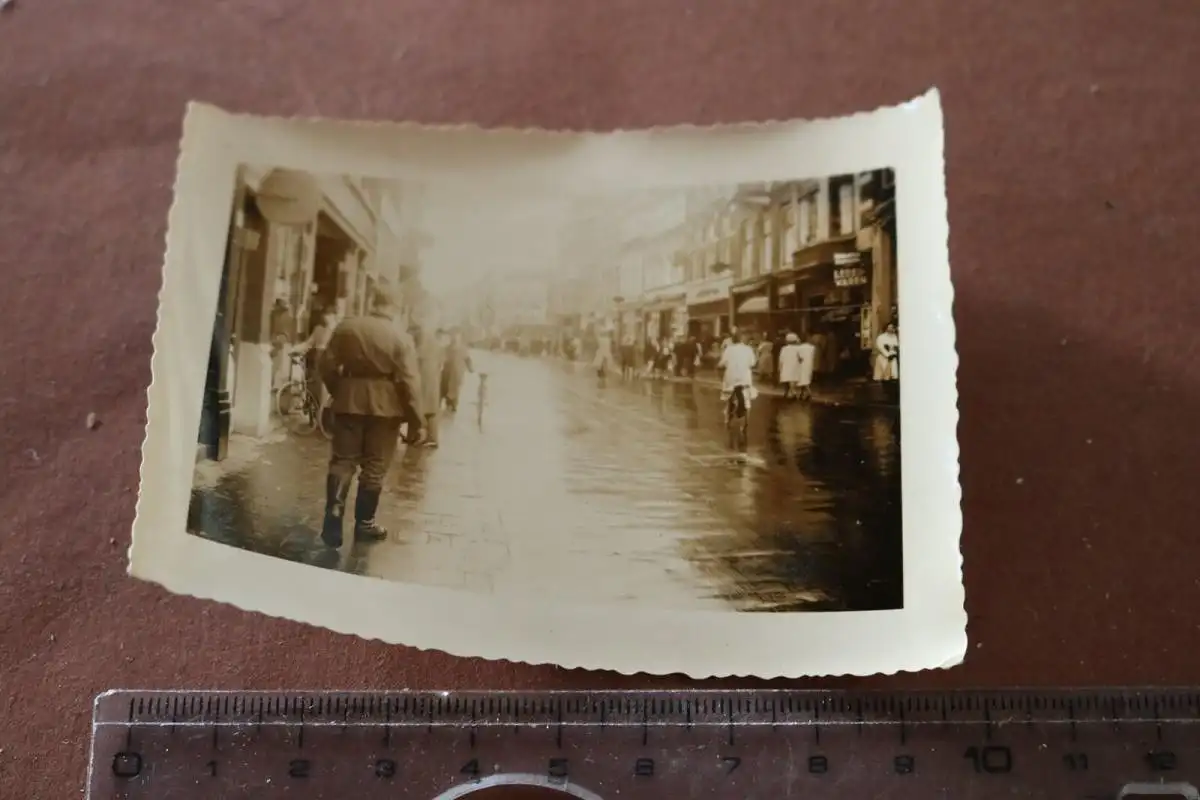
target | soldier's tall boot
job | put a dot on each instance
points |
(365, 527)
(336, 491)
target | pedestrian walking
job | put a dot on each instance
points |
(887, 361)
(789, 365)
(313, 349)
(370, 370)
(649, 356)
(692, 351)
(603, 362)
(282, 329)
(796, 362)
(458, 363)
(628, 358)
(765, 368)
(429, 359)
(808, 366)
(663, 358)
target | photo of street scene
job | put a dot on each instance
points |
(684, 398)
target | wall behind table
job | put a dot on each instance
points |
(1074, 211)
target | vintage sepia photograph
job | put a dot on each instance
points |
(692, 392)
(625, 385)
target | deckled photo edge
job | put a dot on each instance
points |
(148, 561)
(200, 127)
(937, 282)
(950, 396)
(928, 101)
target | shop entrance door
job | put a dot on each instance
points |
(332, 247)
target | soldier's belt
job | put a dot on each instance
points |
(368, 376)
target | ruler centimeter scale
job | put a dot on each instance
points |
(746, 744)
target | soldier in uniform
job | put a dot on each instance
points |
(370, 370)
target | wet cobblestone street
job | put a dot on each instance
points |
(582, 492)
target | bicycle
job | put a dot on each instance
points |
(737, 417)
(481, 399)
(300, 410)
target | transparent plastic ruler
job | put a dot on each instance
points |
(1057, 745)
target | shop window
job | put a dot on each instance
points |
(748, 265)
(790, 229)
(808, 222)
(768, 241)
(846, 216)
(865, 191)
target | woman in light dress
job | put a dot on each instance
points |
(457, 364)
(430, 358)
(603, 362)
(887, 355)
(796, 367)
(765, 368)
(887, 362)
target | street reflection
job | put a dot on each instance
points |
(604, 492)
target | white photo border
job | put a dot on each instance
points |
(928, 632)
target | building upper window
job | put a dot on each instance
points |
(768, 239)
(807, 224)
(748, 236)
(847, 218)
(790, 239)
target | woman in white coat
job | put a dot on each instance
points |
(796, 367)
(887, 363)
(887, 355)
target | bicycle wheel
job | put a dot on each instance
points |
(295, 403)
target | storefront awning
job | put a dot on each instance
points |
(753, 285)
(756, 304)
(663, 303)
(712, 308)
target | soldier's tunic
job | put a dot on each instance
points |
(370, 369)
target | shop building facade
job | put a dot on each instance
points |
(280, 276)
(815, 257)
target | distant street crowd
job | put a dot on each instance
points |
(786, 359)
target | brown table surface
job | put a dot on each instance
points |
(1074, 187)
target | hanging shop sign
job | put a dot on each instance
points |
(849, 276)
(288, 197)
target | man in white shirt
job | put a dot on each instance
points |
(737, 364)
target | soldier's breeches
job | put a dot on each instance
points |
(365, 443)
(346, 447)
(380, 440)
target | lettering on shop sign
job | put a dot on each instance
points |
(849, 276)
